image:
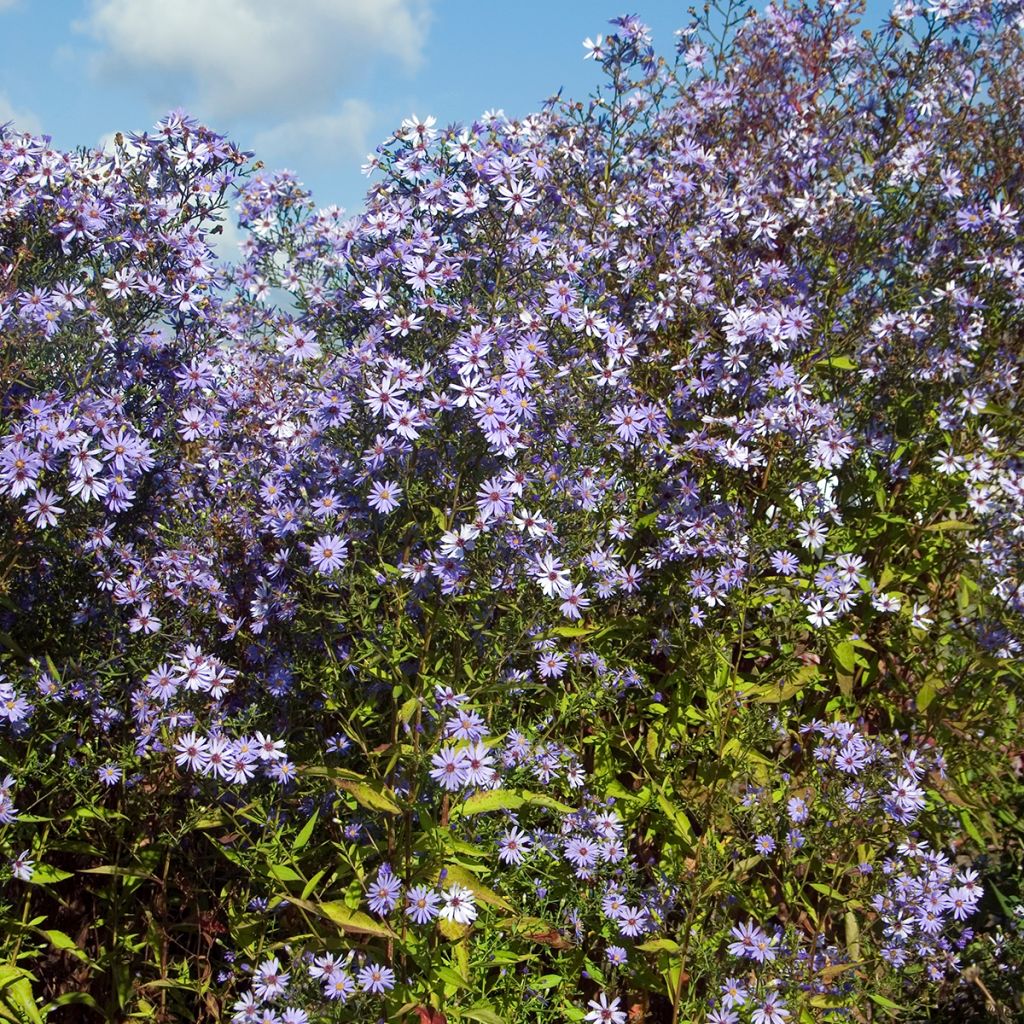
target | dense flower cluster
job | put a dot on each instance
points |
(555, 569)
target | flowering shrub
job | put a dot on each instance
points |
(585, 584)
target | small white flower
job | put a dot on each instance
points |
(920, 616)
(458, 905)
(603, 1012)
(812, 534)
(21, 866)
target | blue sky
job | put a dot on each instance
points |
(312, 85)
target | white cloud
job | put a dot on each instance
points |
(254, 57)
(24, 120)
(324, 138)
(6, 5)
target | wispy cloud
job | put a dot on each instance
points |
(335, 138)
(253, 57)
(24, 120)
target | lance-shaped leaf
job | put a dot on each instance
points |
(354, 922)
(465, 877)
(371, 798)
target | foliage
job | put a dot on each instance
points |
(586, 582)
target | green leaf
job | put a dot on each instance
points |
(452, 930)
(452, 977)
(572, 631)
(72, 999)
(215, 820)
(886, 1004)
(283, 873)
(457, 873)
(490, 800)
(547, 981)
(678, 817)
(312, 883)
(841, 363)
(659, 946)
(482, 1012)
(304, 835)
(9, 642)
(16, 993)
(852, 929)
(774, 693)
(354, 922)
(119, 872)
(46, 874)
(408, 709)
(834, 970)
(971, 829)
(61, 940)
(949, 524)
(827, 890)
(826, 1002)
(540, 800)
(370, 798)
(925, 695)
(100, 813)
(843, 653)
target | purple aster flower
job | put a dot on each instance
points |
(513, 846)
(905, 800)
(299, 345)
(376, 978)
(764, 947)
(746, 937)
(270, 981)
(797, 808)
(722, 1015)
(8, 812)
(478, 765)
(192, 751)
(553, 579)
(582, 852)
(494, 499)
(466, 725)
(42, 508)
(852, 756)
(450, 768)
(632, 921)
(339, 986)
(384, 892)
(551, 665)
(575, 603)
(421, 904)
(328, 553)
(384, 496)
(628, 422)
(771, 1011)
(734, 992)
(616, 956)
(282, 771)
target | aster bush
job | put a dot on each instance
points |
(585, 584)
